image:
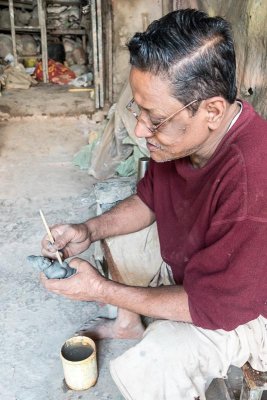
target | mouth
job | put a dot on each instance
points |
(153, 146)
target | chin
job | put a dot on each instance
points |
(161, 158)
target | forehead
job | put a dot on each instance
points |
(150, 91)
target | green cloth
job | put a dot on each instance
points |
(129, 166)
(126, 167)
(83, 158)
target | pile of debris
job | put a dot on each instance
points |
(11, 76)
(15, 77)
(27, 16)
(63, 17)
(26, 45)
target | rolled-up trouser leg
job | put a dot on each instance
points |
(137, 256)
(178, 361)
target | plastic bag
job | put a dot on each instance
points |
(5, 45)
(114, 145)
(84, 80)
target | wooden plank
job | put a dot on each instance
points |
(95, 50)
(27, 28)
(254, 383)
(13, 32)
(108, 54)
(100, 52)
(112, 267)
(64, 2)
(255, 379)
(53, 31)
(37, 56)
(42, 23)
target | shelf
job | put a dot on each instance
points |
(22, 29)
(18, 4)
(38, 56)
(64, 2)
(27, 28)
(53, 31)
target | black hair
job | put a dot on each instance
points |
(193, 51)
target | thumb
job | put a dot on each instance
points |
(79, 264)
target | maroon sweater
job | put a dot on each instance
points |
(212, 225)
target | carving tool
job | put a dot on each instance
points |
(51, 239)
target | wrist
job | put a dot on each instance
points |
(88, 228)
(91, 227)
(103, 290)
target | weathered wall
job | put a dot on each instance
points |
(248, 19)
(129, 16)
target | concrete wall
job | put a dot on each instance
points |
(129, 16)
(248, 19)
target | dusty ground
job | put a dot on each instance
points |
(37, 172)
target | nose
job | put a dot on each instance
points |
(141, 130)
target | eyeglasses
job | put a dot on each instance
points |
(136, 111)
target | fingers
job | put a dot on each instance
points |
(84, 285)
(61, 235)
(48, 248)
(55, 285)
(75, 287)
(50, 251)
(71, 239)
(61, 284)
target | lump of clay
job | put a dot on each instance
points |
(51, 268)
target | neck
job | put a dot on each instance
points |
(198, 160)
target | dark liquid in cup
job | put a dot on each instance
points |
(76, 352)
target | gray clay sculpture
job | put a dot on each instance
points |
(51, 268)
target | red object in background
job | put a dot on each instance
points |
(57, 73)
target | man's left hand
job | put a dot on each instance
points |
(85, 285)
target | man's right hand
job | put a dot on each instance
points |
(70, 240)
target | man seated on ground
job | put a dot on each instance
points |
(206, 188)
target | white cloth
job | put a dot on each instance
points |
(178, 361)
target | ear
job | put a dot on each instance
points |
(215, 111)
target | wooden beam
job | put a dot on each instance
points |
(42, 24)
(13, 32)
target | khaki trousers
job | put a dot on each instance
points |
(176, 360)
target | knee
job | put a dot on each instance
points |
(161, 361)
(170, 332)
(164, 339)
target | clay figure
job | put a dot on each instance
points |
(52, 268)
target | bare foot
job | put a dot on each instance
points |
(103, 328)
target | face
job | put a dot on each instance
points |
(182, 135)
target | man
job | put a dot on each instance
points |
(206, 187)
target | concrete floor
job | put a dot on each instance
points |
(22, 103)
(37, 172)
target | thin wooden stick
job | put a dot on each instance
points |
(51, 239)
